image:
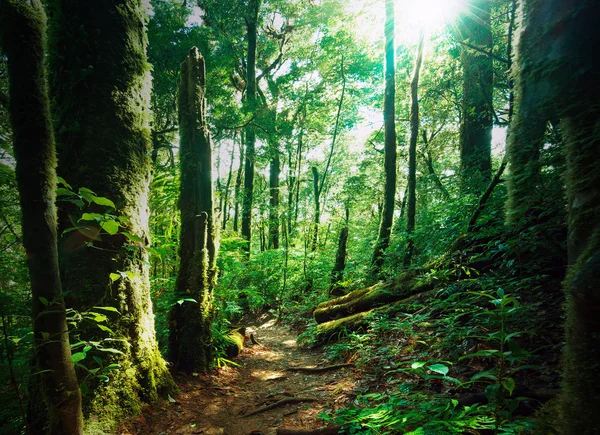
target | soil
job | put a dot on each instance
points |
(221, 401)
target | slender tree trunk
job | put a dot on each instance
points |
(190, 346)
(292, 180)
(238, 185)
(55, 404)
(251, 24)
(226, 206)
(274, 171)
(412, 154)
(337, 274)
(317, 215)
(477, 116)
(101, 87)
(298, 173)
(389, 114)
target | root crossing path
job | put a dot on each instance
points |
(277, 388)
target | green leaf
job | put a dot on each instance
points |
(43, 300)
(105, 328)
(87, 349)
(98, 360)
(86, 190)
(91, 217)
(132, 237)
(110, 350)
(114, 277)
(61, 191)
(113, 309)
(509, 385)
(181, 301)
(417, 365)
(439, 368)
(61, 180)
(110, 226)
(79, 356)
(100, 200)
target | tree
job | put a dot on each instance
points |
(389, 114)
(190, 346)
(476, 113)
(55, 405)
(412, 153)
(556, 76)
(250, 133)
(100, 83)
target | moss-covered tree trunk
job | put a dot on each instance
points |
(55, 402)
(556, 76)
(251, 26)
(274, 172)
(337, 274)
(100, 83)
(317, 216)
(476, 117)
(238, 185)
(190, 347)
(389, 193)
(412, 154)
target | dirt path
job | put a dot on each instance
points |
(219, 403)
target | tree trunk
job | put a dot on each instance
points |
(274, 171)
(101, 89)
(238, 185)
(389, 114)
(251, 23)
(477, 116)
(412, 154)
(317, 216)
(556, 76)
(190, 347)
(337, 274)
(226, 206)
(55, 402)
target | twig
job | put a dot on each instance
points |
(281, 402)
(318, 369)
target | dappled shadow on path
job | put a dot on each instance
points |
(220, 402)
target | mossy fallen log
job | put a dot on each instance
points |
(369, 298)
(235, 339)
(335, 330)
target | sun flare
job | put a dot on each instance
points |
(430, 14)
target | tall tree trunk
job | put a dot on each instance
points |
(251, 25)
(190, 346)
(389, 113)
(238, 185)
(317, 215)
(412, 154)
(225, 210)
(55, 402)
(477, 116)
(274, 171)
(337, 274)
(298, 173)
(291, 184)
(101, 90)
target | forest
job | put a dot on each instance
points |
(299, 217)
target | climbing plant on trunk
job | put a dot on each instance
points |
(190, 346)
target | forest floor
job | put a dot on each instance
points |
(222, 401)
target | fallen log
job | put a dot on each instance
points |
(334, 330)
(281, 402)
(328, 430)
(235, 340)
(318, 369)
(369, 298)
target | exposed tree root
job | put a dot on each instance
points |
(281, 402)
(318, 369)
(329, 430)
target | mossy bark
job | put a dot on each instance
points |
(100, 85)
(371, 297)
(476, 113)
(337, 274)
(190, 347)
(274, 172)
(55, 403)
(557, 76)
(389, 122)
